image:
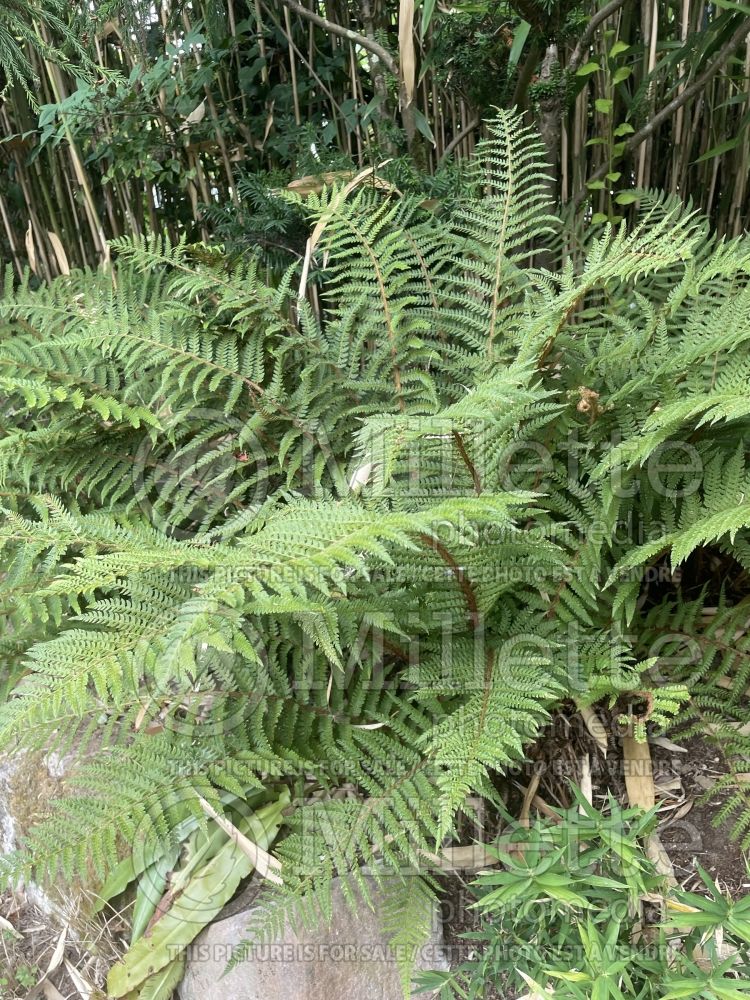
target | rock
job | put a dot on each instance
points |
(27, 785)
(350, 958)
(29, 782)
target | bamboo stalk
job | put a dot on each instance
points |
(292, 67)
(11, 238)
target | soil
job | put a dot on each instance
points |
(694, 837)
(31, 944)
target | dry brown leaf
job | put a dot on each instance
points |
(639, 773)
(660, 859)
(328, 215)
(361, 477)
(683, 810)
(85, 989)
(51, 992)
(705, 782)
(261, 859)
(668, 783)
(109, 28)
(6, 925)
(665, 744)
(141, 715)
(62, 257)
(586, 785)
(314, 183)
(57, 954)
(679, 812)
(465, 857)
(523, 816)
(407, 58)
(545, 809)
(704, 958)
(197, 115)
(636, 934)
(30, 251)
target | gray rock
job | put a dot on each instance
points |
(29, 782)
(26, 787)
(348, 959)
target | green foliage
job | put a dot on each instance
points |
(351, 534)
(42, 28)
(472, 46)
(562, 917)
(202, 887)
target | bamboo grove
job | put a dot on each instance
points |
(129, 117)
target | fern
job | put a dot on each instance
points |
(356, 547)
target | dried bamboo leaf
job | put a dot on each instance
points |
(656, 853)
(60, 255)
(84, 988)
(57, 954)
(586, 784)
(30, 251)
(406, 53)
(262, 861)
(528, 798)
(639, 773)
(6, 925)
(51, 992)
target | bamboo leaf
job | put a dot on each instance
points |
(423, 126)
(428, 9)
(203, 898)
(743, 8)
(519, 40)
(723, 147)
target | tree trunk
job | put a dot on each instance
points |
(550, 108)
